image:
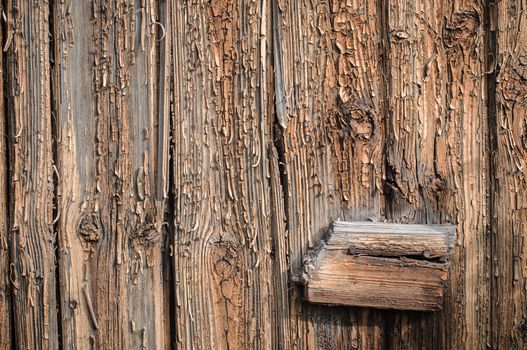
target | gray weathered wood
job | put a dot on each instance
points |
(32, 238)
(430, 241)
(436, 157)
(5, 297)
(223, 108)
(509, 163)
(112, 153)
(330, 102)
(387, 266)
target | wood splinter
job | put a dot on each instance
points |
(385, 266)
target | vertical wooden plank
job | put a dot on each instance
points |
(437, 164)
(224, 211)
(5, 290)
(32, 269)
(329, 102)
(509, 217)
(112, 147)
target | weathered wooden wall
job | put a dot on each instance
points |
(166, 164)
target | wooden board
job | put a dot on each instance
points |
(508, 47)
(5, 290)
(437, 157)
(388, 239)
(284, 116)
(386, 266)
(112, 157)
(224, 198)
(385, 283)
(32, 237)
(330, 99)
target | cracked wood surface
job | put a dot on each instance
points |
(381, 265)
(329, 66)
(5, 290)
(279, 117)
(112, 149)
(509, 217)
(436, 156)
(32, 238)
(225, 203)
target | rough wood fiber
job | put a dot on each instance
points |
(436, 156)
(386, 266)
(112, 158)
(509, 217)
(32, 268)
(336, 277)
(224, 210)
(329, 103)
(357, 85)
(5, 290)
(387, 239)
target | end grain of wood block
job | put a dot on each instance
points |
(386, 266)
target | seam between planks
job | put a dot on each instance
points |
(280, 112)
(55, 178)
(491, 16)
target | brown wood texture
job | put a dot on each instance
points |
(5, 290)
(330, 104)
(381, 265)
(509, 217)
(224, 198)
(165, 165)
(32, 238)
(336, 277)
(112, 160)
(388, 239)
(436, 156)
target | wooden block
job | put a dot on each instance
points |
(386, 266)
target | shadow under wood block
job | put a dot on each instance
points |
(380, 265)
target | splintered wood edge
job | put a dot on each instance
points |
(387, 266)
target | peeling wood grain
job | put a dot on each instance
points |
(436, 156)
(112, 149)
(32, 268)
(509, 249)
(286, 115)
(330, 68)
(5, 290)
(222, 132)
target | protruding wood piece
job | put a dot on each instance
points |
(386, 266)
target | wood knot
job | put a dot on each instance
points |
(226, 260)
(513, 81)
(89, 228)
(146, 235)
(462, 29)
(144, 231)
(437, 185)
(358, 118)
